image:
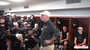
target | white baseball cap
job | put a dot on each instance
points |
(22, 16)
(35, 24)
(46, 13)
(8, 13)
(13, 14)
(28, 24)
(80, 28)
(28, 16)
(25, 23)
(15, 23)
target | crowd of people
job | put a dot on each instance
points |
(18, 33)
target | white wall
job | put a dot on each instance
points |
(73, 12)
(60, 4)
(57, 8)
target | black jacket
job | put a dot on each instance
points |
(21, 23)
(31, 43)
(30, 22)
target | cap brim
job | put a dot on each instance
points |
(27, 17)
(28, 25)
(25, 23)
(80, 29)
(42, 13)
(22, 17)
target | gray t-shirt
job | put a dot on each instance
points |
(49, 31)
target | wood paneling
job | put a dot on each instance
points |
(89, 32)
(65, 21)
(82, 22)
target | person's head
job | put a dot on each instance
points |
(30, 31)
(13, 15)
(36, 26)
(8, 14)
(28, 17)
(25, 24)
(45, 16)
(80, 29)
(64, 28)
(32, 16)
(22, 18)
(16, 25)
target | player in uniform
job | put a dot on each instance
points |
(21, 22)
(4, 32)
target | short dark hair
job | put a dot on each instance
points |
(65, 26)
(15, 15)
(33, 16)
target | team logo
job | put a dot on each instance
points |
(81, 46)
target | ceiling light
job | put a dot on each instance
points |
(17, 0)
(4, 3)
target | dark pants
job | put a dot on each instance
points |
(71, 47)
(29, 48)
(17, 48)
(88, 46)
(3, 45)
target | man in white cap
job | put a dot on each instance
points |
(49, 33)
(12, 20)
(21, 22)
(28, 17)
(8, 15)
(37, 32)
(25, 29)
(79, 39)
(16, 29)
